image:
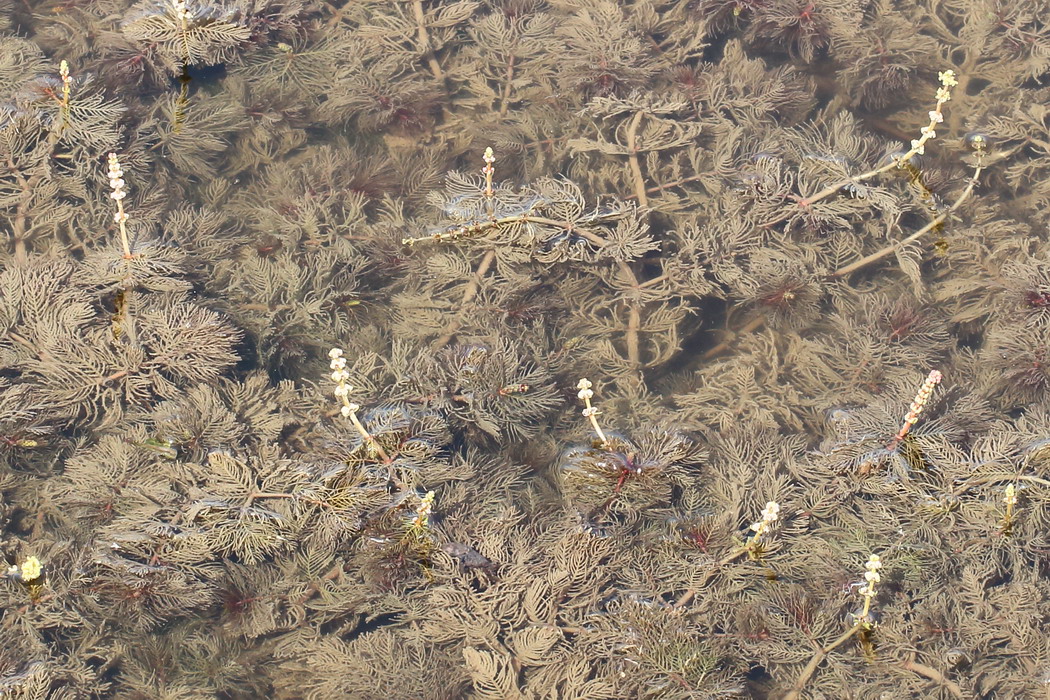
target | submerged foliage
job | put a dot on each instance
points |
(691, 203)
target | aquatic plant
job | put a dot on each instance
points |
(690, 204)
(186, 33)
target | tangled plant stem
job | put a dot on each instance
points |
(935, 223)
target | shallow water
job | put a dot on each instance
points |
(630, 405)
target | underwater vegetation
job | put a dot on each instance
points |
(524, 349)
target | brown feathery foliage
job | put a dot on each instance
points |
(690, 203)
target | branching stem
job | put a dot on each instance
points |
(468, 295)
(937, 221)
(933, 674)
(424, 39)
(636, 167)
(796, 690)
